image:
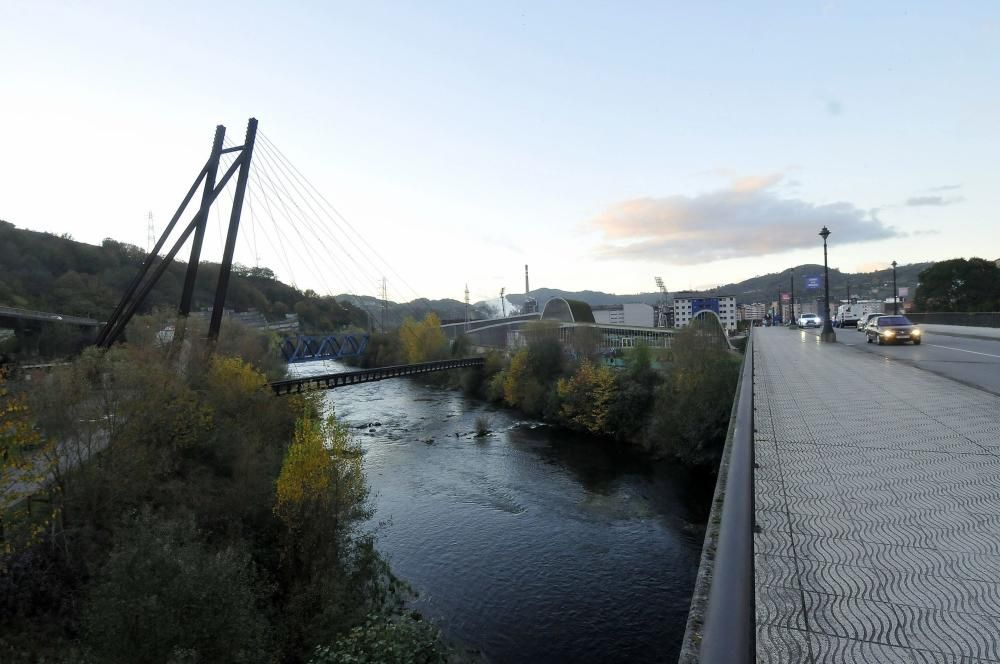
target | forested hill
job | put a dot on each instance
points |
(870, 285)
(56, 273)
(763, 288)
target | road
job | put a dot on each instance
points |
(974, 362)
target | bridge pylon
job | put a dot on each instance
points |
(148, 276)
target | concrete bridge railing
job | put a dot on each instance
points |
(721, 627)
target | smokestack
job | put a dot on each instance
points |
(526, 289)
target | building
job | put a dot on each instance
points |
(755, 311)
(687, 307)
(634, 314)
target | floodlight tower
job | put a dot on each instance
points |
(663, 297)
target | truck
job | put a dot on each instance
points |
(848, 315)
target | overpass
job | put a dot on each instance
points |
(14, 314)
(856, 514)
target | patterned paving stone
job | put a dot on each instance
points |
(878, 503)
(835, 650)
(780, 645)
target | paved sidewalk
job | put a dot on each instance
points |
(878, 499)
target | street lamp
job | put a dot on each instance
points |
(828, 333)
(895, 291)
(791, 295)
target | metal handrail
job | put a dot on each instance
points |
(729, 634)
(344, 378)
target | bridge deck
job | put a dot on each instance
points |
(878, 499)
(346, 378)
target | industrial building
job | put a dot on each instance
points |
(633, 314)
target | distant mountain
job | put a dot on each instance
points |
(446, 309)
(763, 288)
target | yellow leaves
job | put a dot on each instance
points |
(513, 377)
(586, 396)
(424, 341)
(323, 469)
(306, 469)
(235, 374)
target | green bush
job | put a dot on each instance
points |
(164, 595)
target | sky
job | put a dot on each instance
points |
(601, 143)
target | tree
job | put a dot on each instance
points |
(331, 572)
(631, 407)
(690, 415)
(959, 285)
(27, 465)
(424, 341)
(586, 397)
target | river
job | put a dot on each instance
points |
(532, 544)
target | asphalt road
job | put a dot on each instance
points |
(974, 362)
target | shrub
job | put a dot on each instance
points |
(385, 640)
(164, 595)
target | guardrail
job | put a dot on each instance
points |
(972, 319)
(721, 625)
(344, 378)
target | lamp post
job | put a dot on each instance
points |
(791, 295)
(895, 291)
(828, 334)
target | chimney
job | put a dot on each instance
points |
(526, 289)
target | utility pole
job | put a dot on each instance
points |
(466, 307)
(503, 304)
(385, 303)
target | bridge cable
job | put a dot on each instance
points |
(316, 194)
(276, 183)
(266, 175)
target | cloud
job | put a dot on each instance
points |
(751, 183)
(921, 201)
(946, 187)
(834, 107)
(745, 220)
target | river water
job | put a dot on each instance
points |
(531, 544)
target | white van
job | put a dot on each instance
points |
(848, 315)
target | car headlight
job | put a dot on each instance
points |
(890, 333)
(916, 333)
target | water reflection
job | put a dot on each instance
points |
(533, 544)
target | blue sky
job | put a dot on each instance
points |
(603, 143)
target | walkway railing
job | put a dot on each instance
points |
(973, 319)
(729, 633)
(331, 381)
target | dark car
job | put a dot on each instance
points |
(891, 330)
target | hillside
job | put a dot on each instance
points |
(763, 288)
(868, 285)
(58, 274)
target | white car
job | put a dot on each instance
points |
(810, 320)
